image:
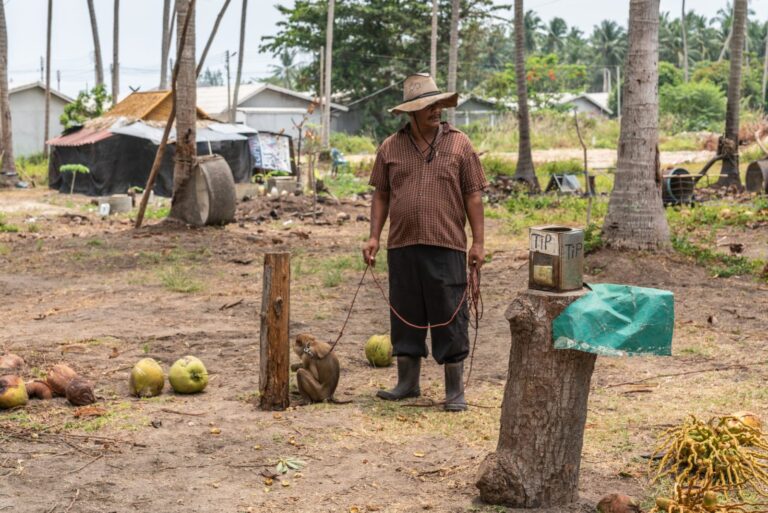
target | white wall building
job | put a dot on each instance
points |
(28, 114)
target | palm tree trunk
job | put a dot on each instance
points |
(96, 45)
(165, 44)
(729, 143)
(116, 54)
(453, 54)
(212, 36)
(765, 72)
(433, 44)
(524, 171)
(683, 29)
(239, 74)
(636, 217)
(186, 110)
(6, 137)
(47, 122)
(327, 75)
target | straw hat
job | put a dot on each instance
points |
(420, 91)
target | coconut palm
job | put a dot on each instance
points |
(99, 68)
(165, 44)
(684, 35)
(46, 121)
(636, 217)
(532, 27)
(524, 171)
(286, 73)
(453, 53)
(239, 74)
(116, 54)
(6, 137)
(609, 43)
(729, 174)
(575, 47)
(554, 38)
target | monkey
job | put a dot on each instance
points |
(318, 373)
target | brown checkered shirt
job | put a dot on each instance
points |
(426, 199)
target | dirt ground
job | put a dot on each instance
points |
(100, 295)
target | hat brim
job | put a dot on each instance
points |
(447, 100)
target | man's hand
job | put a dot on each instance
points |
(369, 251)
(476, 255)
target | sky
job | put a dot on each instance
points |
(140, 32)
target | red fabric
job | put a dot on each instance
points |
(426, 199)
(81, 137)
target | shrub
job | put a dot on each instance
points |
(694, 106)
(495, 166)
(353, 144)
(559, 167)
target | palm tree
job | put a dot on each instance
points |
(327, 74)
(555, 32)
(47, 127)
(729, 143)
(96, 45)
(165, 44)
(636, 217)
(609, 43)
(724, 18)
(186, 111)
(453, 54)
(683, 31)
(765, 70)
(239, 75)
(116, 54)
(8, 168)
(532, 26)
(286, 73)
(575, 46)
(524, 171)
(433, 43)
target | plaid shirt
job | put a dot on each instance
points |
(426, 199)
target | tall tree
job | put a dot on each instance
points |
(524, 171)
(554, 40)
(532, 25)
(683, 31)
(165, 47)
(765, 71)
(284, 74)
(729, 143)
(8, 168)
(636, 217)
(433, 43)
(327, 74)
(116, 53)
(239, 74)
(96, 45)
(186, 110)
(47, 121)
(453, 54)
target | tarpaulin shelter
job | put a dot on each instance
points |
(119, 147)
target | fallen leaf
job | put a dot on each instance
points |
(215, 431)
(268, 481)
(418, 454)
(90, 411)
(277, 416)
(257, 447)
(354, 509)
(285, 483)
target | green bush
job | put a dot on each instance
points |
(495, 166)
(559, 167)
(669, 74)
(353, 144)
(694, 106)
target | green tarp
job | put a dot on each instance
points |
(618, 320)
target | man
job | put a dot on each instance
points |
(429, 181)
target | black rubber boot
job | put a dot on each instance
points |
(408, 371)
(454, 387)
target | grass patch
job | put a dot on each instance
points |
(5, 227)
(719, 264)
(5, 250)
(344, 185)
(157, 212)
(353, 144)
(179, 279)
(33, 168)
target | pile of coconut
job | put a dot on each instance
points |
(61, 381)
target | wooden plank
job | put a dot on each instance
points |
(274, 335)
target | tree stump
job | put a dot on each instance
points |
(536, 463)
(274, 335)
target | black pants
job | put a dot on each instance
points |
(426, 284)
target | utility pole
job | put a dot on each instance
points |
(328, 68)
(229, 101)
(322, 93)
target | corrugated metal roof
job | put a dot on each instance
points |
(80, 138)
(214, 99)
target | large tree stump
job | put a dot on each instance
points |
(274, 335)
(536, 463)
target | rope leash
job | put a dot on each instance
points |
(471, 296)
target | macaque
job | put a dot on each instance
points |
(318, 373)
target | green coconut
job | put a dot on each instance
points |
(378, 351)
(13, 392)
(147, 378)
(188, 375)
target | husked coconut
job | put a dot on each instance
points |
(59, 377)
(79, 392)
(38, 389)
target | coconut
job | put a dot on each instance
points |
(38, 389)
(12, 392)
(618, 503)
(147, 378)
(79, 392)
(11, 361)
(59, 377)
(188, 375)
(378, 351)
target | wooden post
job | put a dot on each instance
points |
(536, 463)
(274, 335)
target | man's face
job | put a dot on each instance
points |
(428, 117)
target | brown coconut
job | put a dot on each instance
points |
(79, 392)
(11, 361)
(618, 503)
(38, 389)
(59, 377)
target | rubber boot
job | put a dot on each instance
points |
(408, 371)
(454, 387)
